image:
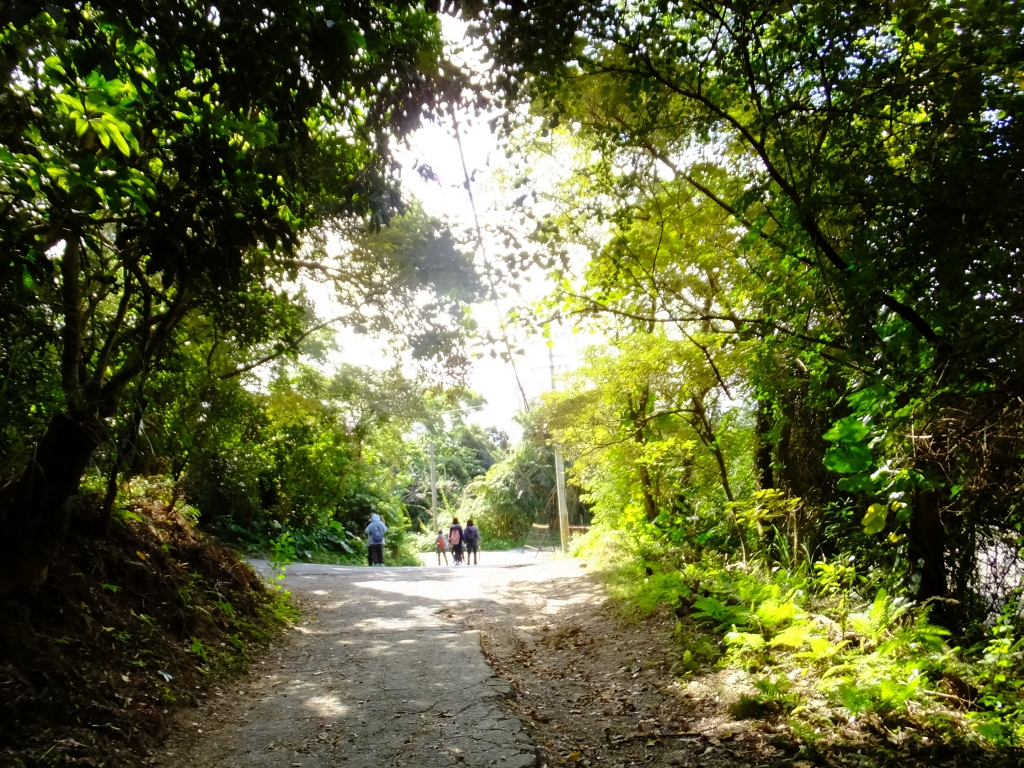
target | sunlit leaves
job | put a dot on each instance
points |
(869, 159)
(874, 518)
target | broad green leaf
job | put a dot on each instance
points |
(54, 64)
(101, 132)
(118, 139)
(860, 482)
(848, 430)
(70, 102)
(847, 459)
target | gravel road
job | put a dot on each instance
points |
(386, 670)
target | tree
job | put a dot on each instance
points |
(462, 451)
(146, 174)
(518, 489)
(650, 431)
(872, 153)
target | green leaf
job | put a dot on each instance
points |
(848, 430)
(847, 459)
(115, 135)
(54, 64)
(858, 483)
(70, 102)
(101, 132)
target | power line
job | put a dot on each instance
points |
(487, 265)
(462, 410)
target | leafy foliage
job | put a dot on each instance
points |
(515, 492)
(815, 204)
(150, 184)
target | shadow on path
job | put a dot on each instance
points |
(378, 675)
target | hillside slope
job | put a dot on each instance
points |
(128, 627)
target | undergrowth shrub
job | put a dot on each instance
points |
(131, 625)
(846, 639)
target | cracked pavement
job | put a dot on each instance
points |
(385, 670)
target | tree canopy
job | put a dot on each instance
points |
(825, 192)
(165, 160)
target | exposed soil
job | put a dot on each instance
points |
(129, 627)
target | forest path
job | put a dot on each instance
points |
(397, 667)
(385, 670)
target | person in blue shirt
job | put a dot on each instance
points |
(375, 539)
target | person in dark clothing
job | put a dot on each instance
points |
(472, 539)
(375, 539)
(455, 540)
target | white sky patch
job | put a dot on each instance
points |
(445, 197)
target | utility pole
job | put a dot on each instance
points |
(433, 487)
(563, 509)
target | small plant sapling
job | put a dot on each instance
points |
(282, 554)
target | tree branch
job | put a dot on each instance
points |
(290, 344)
(806, 218)
(71, 298)
(122, 309)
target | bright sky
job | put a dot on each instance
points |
(447, 199)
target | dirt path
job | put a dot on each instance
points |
(377, 675)
(396, 666)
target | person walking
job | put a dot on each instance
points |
(455, 539)
(375, 539)
(442, 547)
(472, 538)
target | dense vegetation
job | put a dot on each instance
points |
(159, 200)
(796, 229)
(128, 628)
(796, 226)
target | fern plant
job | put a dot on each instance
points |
(772, 699)
(724, 616)
(777, 614)
(878, 620)
(797, 635)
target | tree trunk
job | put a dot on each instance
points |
(34, 511)
(928, 546)
(706, 432)
(765, 477)
(646, 487)
(638, 415)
